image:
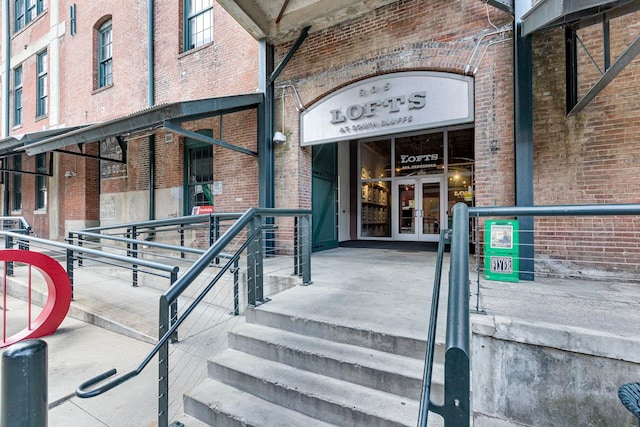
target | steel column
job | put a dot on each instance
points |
(523, 130)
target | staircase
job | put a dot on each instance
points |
(283, 368)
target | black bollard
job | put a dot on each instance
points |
(24, 385)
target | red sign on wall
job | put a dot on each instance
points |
(201, 210)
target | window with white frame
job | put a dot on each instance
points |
(198, 17)
(42, 84)
(17, 96)
(105, 55)
(41, 181)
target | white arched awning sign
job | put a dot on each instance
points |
(389, 104)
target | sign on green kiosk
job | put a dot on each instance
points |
(501, 255)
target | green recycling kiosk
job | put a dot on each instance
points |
(501, 255)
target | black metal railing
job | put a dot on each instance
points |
(71, 253)
(456, 408)
(254, 229)
(592, 242)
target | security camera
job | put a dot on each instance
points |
(279, 137)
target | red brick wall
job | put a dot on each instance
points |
(589, 158)
(227, 66)
(406, 35)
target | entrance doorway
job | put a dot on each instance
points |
(418, 213)
(324, 197)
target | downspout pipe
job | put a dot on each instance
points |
(151, 54)
(151, 102)
(6, 42)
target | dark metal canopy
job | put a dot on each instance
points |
(169, 116)
(11, 142)
(557, 13)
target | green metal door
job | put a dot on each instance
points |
(324, 196)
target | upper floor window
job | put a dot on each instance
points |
(105, 51)
(16, 188)
(198, 23)
(41, 181)
(26, 11)
(17, 96)
(42, 86)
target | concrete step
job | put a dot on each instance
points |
(318, 396)
(220, 405)
(379, 370)
(267, 315)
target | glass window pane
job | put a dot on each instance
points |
(375, 205)
(375, 160)
(420, 155)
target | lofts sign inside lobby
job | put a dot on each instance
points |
(389, 104)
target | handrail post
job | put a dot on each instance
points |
(134, 254)
(305, 249)
(173, 309)
(181, 234)
(70, 269)
(163, 365)
(259, 290)
(296, 249)
(456, 409)
(236, 290)
(254, 262)
(80, 257)
(9, 264)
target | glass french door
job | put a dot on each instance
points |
(418, 212)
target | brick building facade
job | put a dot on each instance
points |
(82, 191)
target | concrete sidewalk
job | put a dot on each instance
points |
(378, 289)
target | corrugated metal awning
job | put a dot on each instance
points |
(11, 142)
(150, 118)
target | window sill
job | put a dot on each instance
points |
(41, 211)
(101, 89)
(194, 50)
(42, 117)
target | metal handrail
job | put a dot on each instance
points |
(23, 221)
(182, 220)
(82, 390)
(73, 248)
(559, 210)
(456, 409)
(251, 219)
(431, 336)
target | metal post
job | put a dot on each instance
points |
(70, 269)
(134, 254)
(9, 264)
(259, 258)
(25, 384)
(305, 249)
(163, 365)
(236, 290)
(296, 249)
(181, 233)
(81, 257)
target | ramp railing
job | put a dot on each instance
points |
(257, 237)
(456, 408)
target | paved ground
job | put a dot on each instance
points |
(389, 290)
